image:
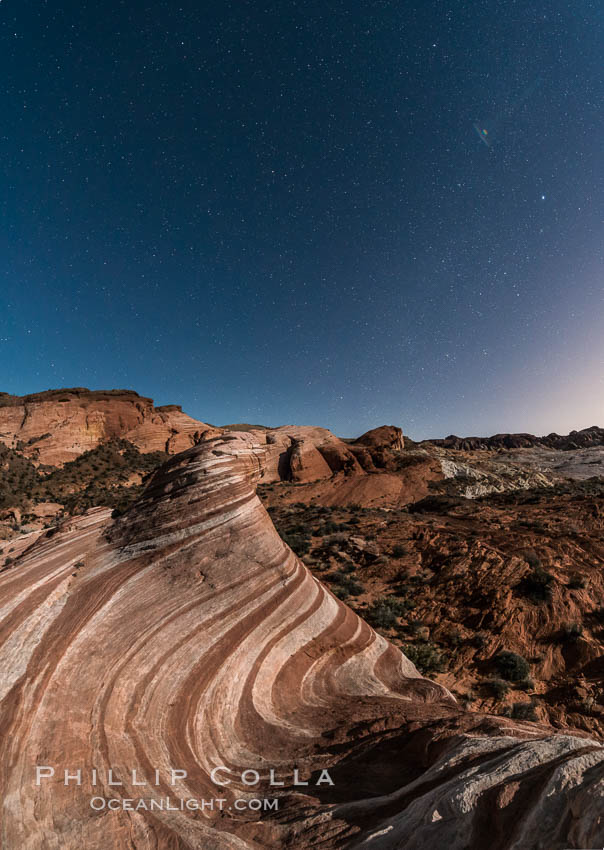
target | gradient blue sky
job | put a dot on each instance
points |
(282, 212)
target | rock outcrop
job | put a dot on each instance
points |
(583, 439)
(56, 426)
(186, 635)
(304, 453)
(384, 437)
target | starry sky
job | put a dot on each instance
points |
(283, 212)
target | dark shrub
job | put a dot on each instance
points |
(453, 637)
(524, 711)
(512, 666)
(498, 687)
(383, 613)
(536, 586)
(426, 657)
(298, 543)
(344, 581)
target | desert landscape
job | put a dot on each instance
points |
(301, 425)
(422, 620)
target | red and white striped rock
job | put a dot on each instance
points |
(187, 635)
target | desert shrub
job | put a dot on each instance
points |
(401, 591)
(298, 543)
(498, 687)
(453, 637)
(512, 666)
(536, 585)
(426, 657)
(343, 581)
(335, 539)
(330, 527)
(523, 711)
(383, 613)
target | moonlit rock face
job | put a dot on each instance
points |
(56, 426)
(187, 635)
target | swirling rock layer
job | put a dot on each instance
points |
(185, 635)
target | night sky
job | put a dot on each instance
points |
(282, 212)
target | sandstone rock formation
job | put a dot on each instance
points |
(365, 471)
(56, 426)
(304, 453)
(186, 635)
(386, 436)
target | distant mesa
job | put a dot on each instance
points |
(56, 426)
(593, 436)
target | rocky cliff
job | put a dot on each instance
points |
(56, 426)
(185, 634)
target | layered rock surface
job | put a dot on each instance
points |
(56, 426)
(187, 635)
